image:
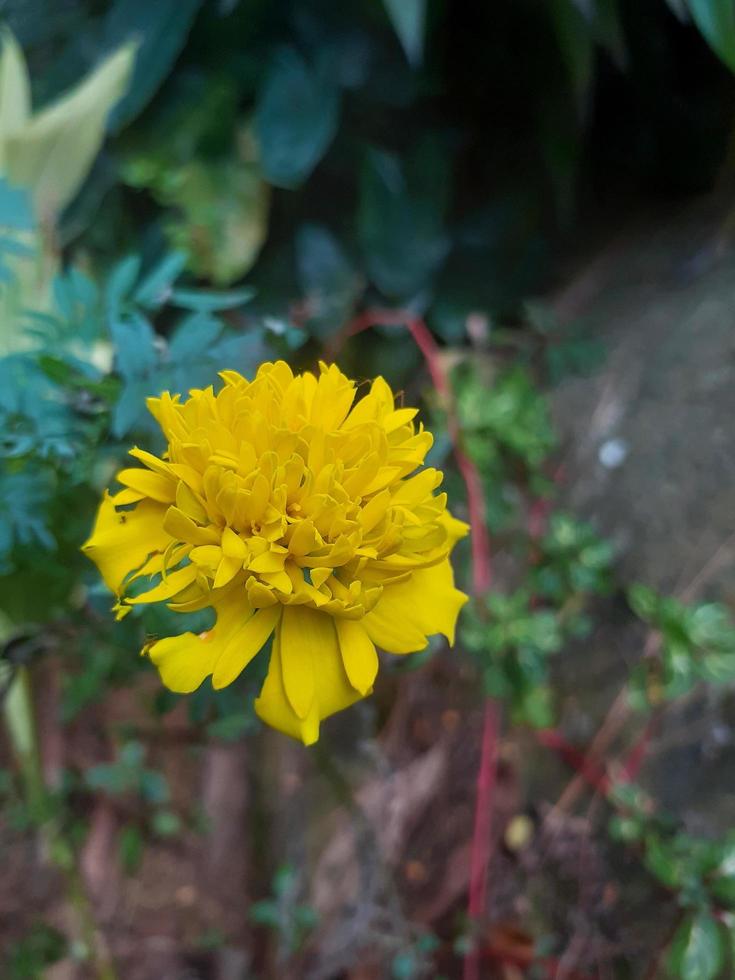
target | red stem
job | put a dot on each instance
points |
(482, 843)
(591, 772)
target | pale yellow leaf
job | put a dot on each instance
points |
(15, 91)
(54, 152)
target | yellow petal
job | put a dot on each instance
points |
(407, 613)
(226, 571)
(122, 540)
(358, 654)
(153, 485)
(184, 661)
(333, 690)
(303, 633)
(169, 587)
(183, 528)
(244, 645)
(455, 528)
(272, 705)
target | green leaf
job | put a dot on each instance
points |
(53, 153)
(722, 885)
(408, 18)
(722, 888)
(194, 337)
(161, 28)
(401, 218)
(575, 45)
(209, 301)
(698, 949)
(120, 283)
(166, 823)
(130, 846)
(15, 209)
(264, 913)
(716, 22)
(156, 288)
(295, 118)
(643, 601)
(153, 786)
(221, 218)
(328, 282)
(39, 948)
(135, 350)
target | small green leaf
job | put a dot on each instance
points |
(165, 823)
(643, 601)
(130, 848)
(264, 913)
(153, 786)
(698, 949)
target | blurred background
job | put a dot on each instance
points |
(545, 191)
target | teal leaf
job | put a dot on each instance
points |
(161, 28)
(156, 288)
(328, 281)
(120, 283)
(194, 337)
(401, 218)
(716, 22)
(135, 351)
(210, 300)
(408, 18)
(15, 207)
(295, 118)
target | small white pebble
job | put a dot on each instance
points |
(613, 453)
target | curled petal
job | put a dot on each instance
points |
(123, 539)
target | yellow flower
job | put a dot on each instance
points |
(289, 509)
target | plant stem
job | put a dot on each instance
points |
(21, 728)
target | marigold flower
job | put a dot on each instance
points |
(291, 510)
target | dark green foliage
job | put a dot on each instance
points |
(697, 644)
(572, 560)
(700, 872)
(30, 957)
(514, 635)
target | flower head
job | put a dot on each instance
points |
(292, 510)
